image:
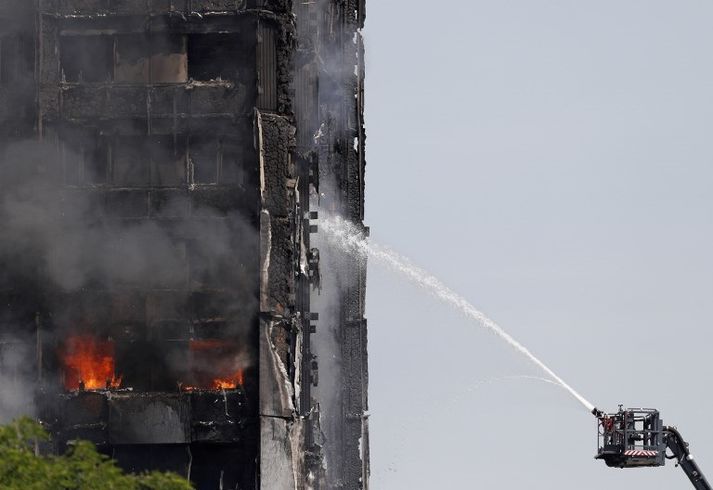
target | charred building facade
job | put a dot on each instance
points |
(165, 291)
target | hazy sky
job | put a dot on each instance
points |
(552, 161)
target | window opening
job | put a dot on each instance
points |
(168, 166)
(132, 60)
(168, 59)
(215, 56)
(87, 58)
(230, 170)
(204, 158)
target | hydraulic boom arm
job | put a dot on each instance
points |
(637, 438)
(680, 451)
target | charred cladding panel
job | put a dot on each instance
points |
(156, 271)
(329, 108)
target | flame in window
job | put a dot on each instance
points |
(89, 364)
(231, 382)
(214, 366)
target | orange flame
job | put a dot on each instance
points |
(219, 355)
(230, 383)
(89, 363)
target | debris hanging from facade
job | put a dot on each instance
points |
(164, 291)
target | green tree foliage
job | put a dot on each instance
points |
(82, 468)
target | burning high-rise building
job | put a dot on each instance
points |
(164, 291)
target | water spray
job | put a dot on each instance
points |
(351, 239)
(630, 438)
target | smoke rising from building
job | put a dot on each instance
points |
(156, 272)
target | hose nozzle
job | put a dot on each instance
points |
(597, 413)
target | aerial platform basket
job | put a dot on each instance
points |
(632, 438)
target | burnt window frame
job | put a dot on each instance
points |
(91, 150)
(67, 62)
(229, 146)
(202, 45)
(16, 58)
(154, 44)
(147, 145)
(138, 144)
(199, 144)
(148, 43)
(142, 53)
(205, 48)
(179, 146)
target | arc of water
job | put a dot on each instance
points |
(351, 239)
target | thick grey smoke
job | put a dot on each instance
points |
(16, 398)
(61, 245)
(76, 240)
